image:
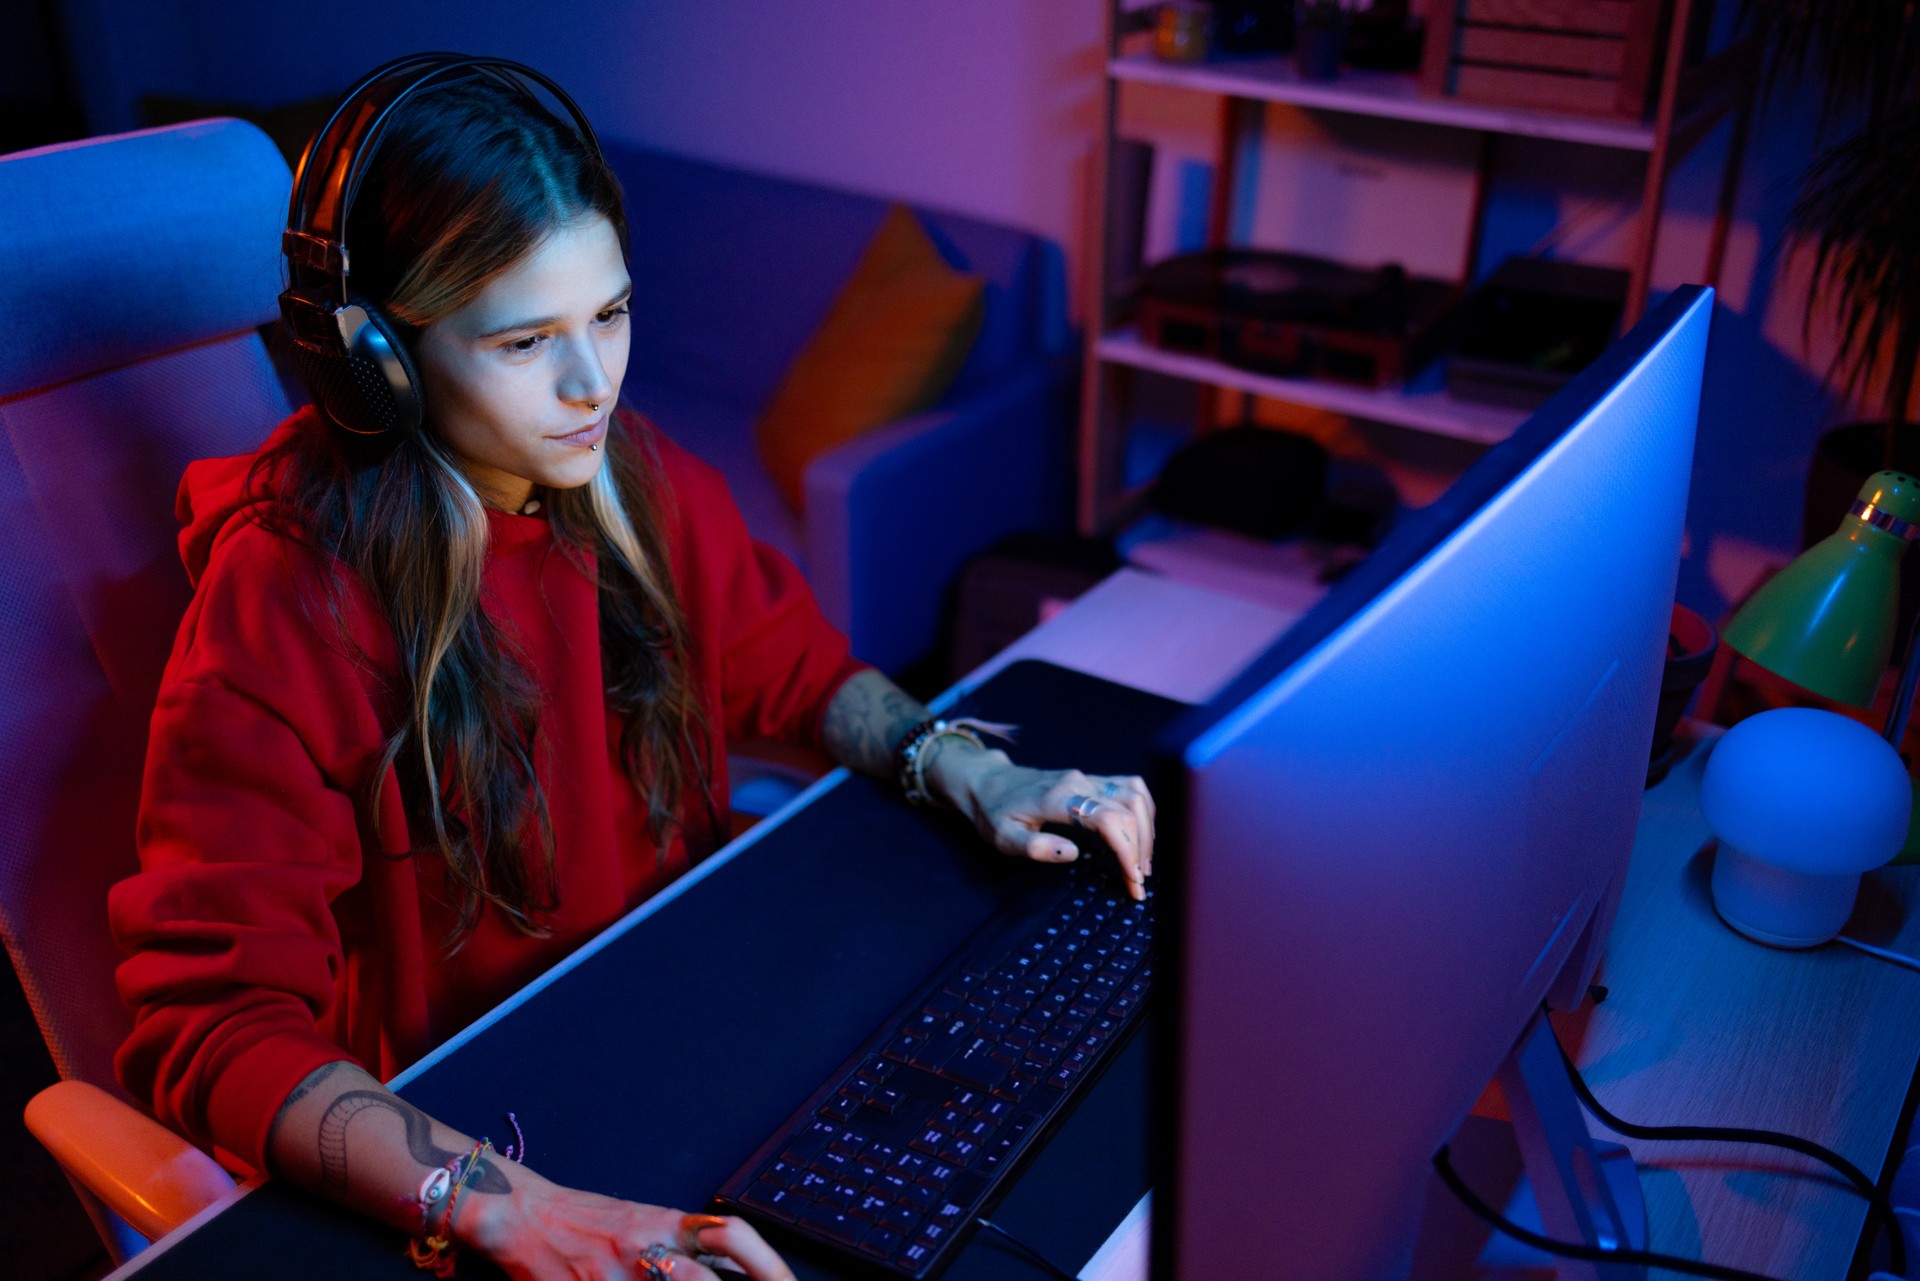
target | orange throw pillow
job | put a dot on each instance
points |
(890, 345)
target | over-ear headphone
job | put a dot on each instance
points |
(349, 351)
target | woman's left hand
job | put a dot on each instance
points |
(1009, 803)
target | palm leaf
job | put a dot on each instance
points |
(1862, 52)
(1859, 213)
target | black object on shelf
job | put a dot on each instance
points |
(1271, 484)
(1385, 37)
(1530, 327)
(1296, 315)
(1244, 27)
(1252, 480)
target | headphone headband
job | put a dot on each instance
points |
(317, 209)
(348, 350)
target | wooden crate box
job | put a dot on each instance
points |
(1591, 57)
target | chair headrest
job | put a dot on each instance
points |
(118, 248)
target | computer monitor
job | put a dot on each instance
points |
(1406, 826)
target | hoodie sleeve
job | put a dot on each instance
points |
(777, 659)
(247, 833)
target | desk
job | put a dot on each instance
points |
(1701, 1025)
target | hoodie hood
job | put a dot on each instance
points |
(213, 497)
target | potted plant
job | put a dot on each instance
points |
(1856, 215)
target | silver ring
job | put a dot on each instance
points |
(1081, 808)
(655, 1263)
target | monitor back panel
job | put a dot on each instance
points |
(1395, 846)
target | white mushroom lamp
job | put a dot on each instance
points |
(1804, 801)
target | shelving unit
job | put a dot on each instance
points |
(1691, 101)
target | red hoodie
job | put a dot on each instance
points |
(272, 929)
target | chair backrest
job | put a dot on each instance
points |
(134, 270)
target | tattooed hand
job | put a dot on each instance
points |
(342, 1133)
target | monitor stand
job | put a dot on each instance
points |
(1578, 1188)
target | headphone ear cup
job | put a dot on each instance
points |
(366, 382)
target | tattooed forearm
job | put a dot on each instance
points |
(314, 1080)
(866, 720)
(420, 1144)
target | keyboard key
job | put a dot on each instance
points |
(949, 1041)
(886, 1099)
(810, 1185)
(914, 1257)
(834, 1165)
(810, 1142)
(928, 1141)
(938, 1175)
(902, 1219)
(872, 1208)
(975, 1066)
(904, 1047)
(834, 1224)
(840, 1107)
(931, 1234)
(910, 1164)
(881, 1243)
(882, 1154)
(1016, 1087)
(778, 1203)
(841, 1196)
(964, 1101)
(959, 1151)
(920, 1196)
(949, 1215)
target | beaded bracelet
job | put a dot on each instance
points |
(436, 1254)
(910, 758)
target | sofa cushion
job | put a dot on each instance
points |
(719, 432)
(889, 346)
(733, 272)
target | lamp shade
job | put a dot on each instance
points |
(1826, 621)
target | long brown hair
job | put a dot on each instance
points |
(468, 178)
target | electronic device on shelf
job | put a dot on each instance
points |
(892, 1159)
(1405, 827)
(1296, 315)
(1527, 329)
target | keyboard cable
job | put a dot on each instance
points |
(1031, 1255)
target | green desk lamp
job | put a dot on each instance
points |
(1835, 800)
(1826, 621)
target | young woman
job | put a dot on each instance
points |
(445, 706)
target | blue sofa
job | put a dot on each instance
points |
(733, 272)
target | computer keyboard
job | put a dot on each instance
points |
(917, 1133)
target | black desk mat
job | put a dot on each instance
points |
(654, 1068)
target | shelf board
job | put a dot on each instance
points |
(1424, 406)
(1394, 95)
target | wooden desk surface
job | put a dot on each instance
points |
(1702, 1026)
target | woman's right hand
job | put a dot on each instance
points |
(541, 1231)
